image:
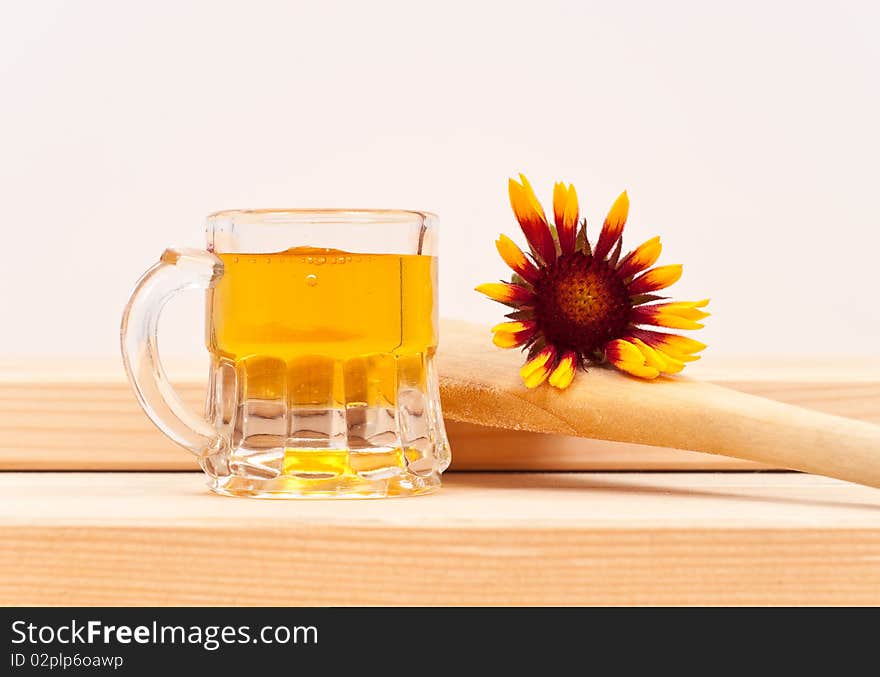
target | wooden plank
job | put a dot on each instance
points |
(481, 385)
(84, 417)
(504, 538)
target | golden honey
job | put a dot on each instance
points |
(322, 302)
(328, 353)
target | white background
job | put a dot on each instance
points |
(746, 134)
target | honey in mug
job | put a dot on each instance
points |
(328, 352)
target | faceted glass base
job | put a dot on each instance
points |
(316, 427)
(342, 486)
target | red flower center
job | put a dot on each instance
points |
(582, 303)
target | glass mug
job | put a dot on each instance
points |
(322, 330)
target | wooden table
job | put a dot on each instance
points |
(624, 525)
(486, 538)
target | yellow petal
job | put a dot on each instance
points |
(509, 251)
(509, 294)
(560, 195)
(685, 313)
(657, 359)
(640, 370)
(531, 219)
(536, 362)
(570, 216)
(613, 226)
(536, 370)
(512, 334)
(624, 351)
(530, 196)
(677, 345)
(525, 205)
(537, 377)
(673, 366)
(509, 327)
(513, 256)
(685, 309)
(563, 375)
(565, 205)
(675, 322)
(650, 356)
(505, 340)
(565, 215)
(642, 257)
(656, 278)
(627, 357)
(619, 211)
(497, 291)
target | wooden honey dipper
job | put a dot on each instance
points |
(480, 384)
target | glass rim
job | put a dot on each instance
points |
(282, 216)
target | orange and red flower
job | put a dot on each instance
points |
(575, 304)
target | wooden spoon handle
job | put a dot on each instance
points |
(480, 384)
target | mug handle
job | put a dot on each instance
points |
(176, 271)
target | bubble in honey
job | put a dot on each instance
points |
(311, 280)
(321, 260)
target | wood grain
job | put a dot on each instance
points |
(508, 538)
(481, 385)
(83, 416)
